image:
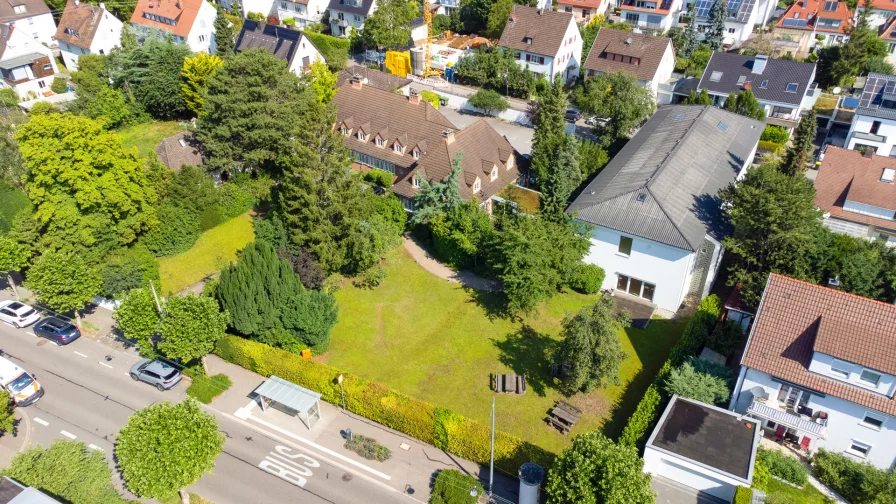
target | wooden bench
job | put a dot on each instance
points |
(564, 416)
(509, 383)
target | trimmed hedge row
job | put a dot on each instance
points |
(767, 146)
(859, 483)
(653, 402)
(440, 427)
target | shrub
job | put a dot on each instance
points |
(453, 487)
(236, 199)
(429, 96)
(43, 108)
(368, 448)
(59, 85)
(859, 483)
(775, 134)
(458, 435)
(178, 230)
(587, 278)
(210, 217)
(290, 22)
(783, 466)
(725, 338)
(761, 475)
(335, 50)
(653, 402)
(131, 268)
(378, 177)
(8, 98)
(703, 387)
(255, 16)
(273, 19)
(765, 145)
(206, 388)
(743, 495)
(12, 201)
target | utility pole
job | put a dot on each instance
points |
(491, 465)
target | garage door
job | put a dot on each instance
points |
(697, 480)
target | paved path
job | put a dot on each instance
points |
(432, 265)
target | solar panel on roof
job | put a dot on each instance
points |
(830, 6)
(723, 126)
(891, 87)
(746, 9)
(733, 6)
(701, 7)
(795, 23)
(851, 102)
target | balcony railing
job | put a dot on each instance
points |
(868, 136)
(771, 410)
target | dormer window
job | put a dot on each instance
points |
(379, 142)
(494, 173)
(416, 181)
(72, 32)
(476, 185)
(361, 136)
(182, 142)
(840, 369)
(345, 131)
(527, 40)
(416, 154)
(397, 147)
(510, 162)
(870, 378)
(19, 9)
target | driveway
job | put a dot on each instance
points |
(672, 492)
(519, 136)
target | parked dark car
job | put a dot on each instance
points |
(573, 115)
(57, 330)
(156, 372)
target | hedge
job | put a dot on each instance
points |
(453, 487)
(743, 495)
(429, 96)
(785, 467)
(765, 145)
(859, 483)
(440, 427)
(654, 401)
(775, 134)
(335, 50)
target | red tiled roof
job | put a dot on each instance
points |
(736, 301)
(647, 48)
(584, 4)
(887, 5)
(847, 174)
(796, 318)
(887, 32)
(183, 12)
(813, 10)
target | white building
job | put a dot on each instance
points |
(348, 14)
(31, 17)
(658, 15)
(743, 15)
(650, 58)
(702, 447)
(291, 46)
(191, 21)
(303, 12)
(655, 209)
(881, 11)
(783, 87)
(26, 65)
(86, 29)
(874, 123)
(546, 42)
(819, 371)
(584, 10)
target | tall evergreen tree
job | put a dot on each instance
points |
(799, 154)
(745, 104)
(699, 99)
(550, 127)
(690, 36)
(224, 39)
(715, 34)
(562, 181)
(438, 198)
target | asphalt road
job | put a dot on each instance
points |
(89, 398)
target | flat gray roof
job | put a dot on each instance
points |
(288, 394)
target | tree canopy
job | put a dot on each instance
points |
(839, 64)
(590, 351)
(441, 197)
(389, 27)
(620, 98)
(700, 386)
(196, 73)
(166, 447)
(151, 73)
(550, 129)
(496, 69)
(63, 281)
(715, 34)
(138, 318)
(743, 103)
(224, 37)
(799, 155)
(497, 18)
(191, 326)
(488, 101)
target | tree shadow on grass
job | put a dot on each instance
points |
(526, 352)
(494, 304)
(652, 347)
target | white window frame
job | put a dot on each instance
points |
(867, 383)
(379, 142)
(345, 131)
(855, 453)
(844, 367)
(415, 181)
(883, 421)
(631, 245)
(362, 136)
(416, 154)
(476, 186)
(397, 148)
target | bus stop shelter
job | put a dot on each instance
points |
(305, 402)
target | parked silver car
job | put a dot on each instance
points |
(155, 372)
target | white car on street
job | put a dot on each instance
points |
(18, 314)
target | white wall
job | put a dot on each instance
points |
(844, 421)
(20, 44)
(863, 124)
(108, 35)
(41, 28)
(262, 6)
(821, 364)
(569, 57)
(546, 69)
(306, 48)
(687, 473)
(666, 267)
(201, 37)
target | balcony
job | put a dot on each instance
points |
(871, 137)
(772, 410)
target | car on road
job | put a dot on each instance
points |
(155, 372)
(18, 314)
(57, 330)
(20, 385)
(573, 115)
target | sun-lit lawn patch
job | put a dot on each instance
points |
(145, 137)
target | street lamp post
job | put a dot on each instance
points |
(342, 392)
(491, 466)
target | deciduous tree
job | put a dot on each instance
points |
(195, 73)
(191, 326)
(594, 470)
(799, 155)
(389, 27)
(138, 318)
(620, 98)
(63, 281)
(166, 447)
(14, 256)
(324, 81)
(497, 18)
(590, 351)
(488, 101)
(592, 157)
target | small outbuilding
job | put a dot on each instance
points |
(706, 449)
(300, 401)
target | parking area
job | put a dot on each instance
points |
(519, 136)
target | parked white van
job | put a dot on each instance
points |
(20, 385)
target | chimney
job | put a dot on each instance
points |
(748, 85)
(628, 41)
(869, 153)
(834, 282)
(540, 11)
(759, 64)
(77, 3)
(414, 97)
(357, 81)
(102, 6)
(449, 136)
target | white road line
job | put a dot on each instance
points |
(127, 374)
(104, 364)
(95, 447)
(41, 421)
(68, 434)
(82, 355)
(31, 333)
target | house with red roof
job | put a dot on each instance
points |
(819, 371)
(881, 11)
(190, 21)
(656, 15)
(808, 24)
(584, 10)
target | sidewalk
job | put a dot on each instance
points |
(97, 323)
(410, 470)
(431, 264)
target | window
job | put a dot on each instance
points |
(19, 9)
(840, 369)
(476, 186)
(715, 76)
(361, 136)
(792, 397)
(869, 378)
(41, 84)
(373, 162)
(34, 35)
(631, 17)
(397, 147)
(527, 40)
(741, 80)
(859, 449)
(722, 126)
(731, 30)
(792, 87)
(416, 154)
(625, 246)
(873, 421)
(635, 287)
(415, 181)
(494, 173)
(379, 142)
(283, 5)
(875, 126)
(202, 38)
(345, 131)
(763, 84)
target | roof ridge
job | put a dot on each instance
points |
(834, 291)
(674, 224)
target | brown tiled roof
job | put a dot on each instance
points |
(546, 28)
(183, 12)
(847, 174)
(394, 118)
(888, 30)
(813, 10)
(32, 8)
(736, 301)
(174, 155)
(648, 48)
(796, 318)
(375, 78)
(583, 4)
(83, 19)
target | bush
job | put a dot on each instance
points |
(765, 145)
(429, 96)
(273, 20)
(255, 16)
(783, 466)
(290, 22)
(235, 200)
(587, 278)
(859, 483)
(378, 177)
(453, 487)
(131, 268)
(368, 448)
(12, 201)
(8, 98)
(761, 475)
(725, 338)
(59, 85)
(44, 108)
(775, 134)
(743, 495)
(206, 388)
(178, 230)
(335, 50)
(210, 217)
(653, 402)
(704, 387)
(458, 435)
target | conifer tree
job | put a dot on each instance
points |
(562, 181)
(799, 154)
(550, 127)
(223, 34)
(442, 197)
(690, 36)
(715, 34)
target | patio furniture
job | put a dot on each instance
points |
(509, 383)
(564, 416)
(779, 434)
(804, 443)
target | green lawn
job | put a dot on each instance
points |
(145, 137)
(438, 342)
(215, 249)
(781, 493)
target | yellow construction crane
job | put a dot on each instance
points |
(427, 55)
